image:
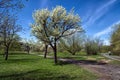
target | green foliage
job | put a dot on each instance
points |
(72, 44)
(115, 40)
(32, 67)
(115, 63)
(92, 46)
(105, 49)
(16, 44)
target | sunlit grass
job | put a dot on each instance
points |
(33, 67)
(79, 56)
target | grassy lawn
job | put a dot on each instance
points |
(32, 67)
(80, 56)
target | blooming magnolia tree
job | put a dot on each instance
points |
(50, 26)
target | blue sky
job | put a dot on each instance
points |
(97, 16)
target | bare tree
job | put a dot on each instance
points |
(8, 30)
(8, 25)
(10, 5)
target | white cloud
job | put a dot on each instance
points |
(99, 13)
(107, 30)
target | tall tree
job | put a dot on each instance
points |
(8, 25)
(54, 25)
(8, 30)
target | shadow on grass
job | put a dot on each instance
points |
(38, 74)
(76, 57)
(18, 60)
(81, 62)
(21, 74)
(23, 60)
(16, 53)
(63, 62)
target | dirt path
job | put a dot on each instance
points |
(117, 58)
(105, 71)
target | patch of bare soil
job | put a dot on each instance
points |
(104, 70)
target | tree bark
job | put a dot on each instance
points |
(28, 49)
(6, 53)
(28, 52)
(55, 53)
(45, 54)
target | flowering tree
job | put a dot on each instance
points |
(50, 26)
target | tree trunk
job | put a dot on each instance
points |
(73, 53)
(28, 51)
(45, 54)
(55, 53)
(6, 53)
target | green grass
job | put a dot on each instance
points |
(32, 67)
(79, 56)
(114, 62)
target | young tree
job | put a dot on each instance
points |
(53, 25)
(43, 44)
(16, 45)
(72, 44)
(46, 50)
(27, 45)
(92, 46)
(8, 30)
